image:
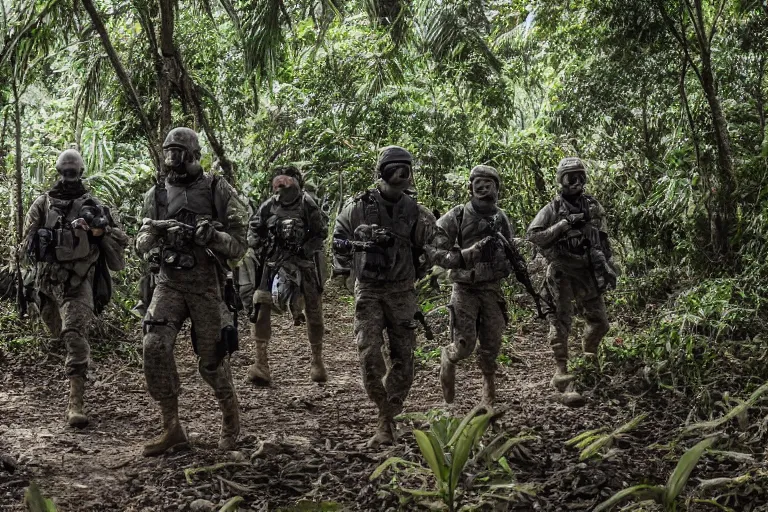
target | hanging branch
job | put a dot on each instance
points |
(125, 81)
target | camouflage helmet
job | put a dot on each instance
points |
(184, 138)
(484, 171)
(68, 159)
(393, 154)
(568, 165)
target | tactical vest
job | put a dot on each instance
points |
(395, 262)
(471, 228)
(576, 241)
(189, 205)
(66, 243)
(288, 225)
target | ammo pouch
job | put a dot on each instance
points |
(71, 244)
(40, 246)
(229, 344)
(178, 260)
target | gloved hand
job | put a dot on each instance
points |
(576, 220)
(477, 251)
(204, 232)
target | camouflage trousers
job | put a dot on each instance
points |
(378, 307)
(478, 312)
(565, 290)
(312, 301)
(68, 316)
(166, 314)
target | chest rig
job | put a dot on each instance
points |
(471, 228)
(288, 225)
(392, 226)
(189, 205)
(577, 241)
(57, 240)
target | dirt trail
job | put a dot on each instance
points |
(312, 432)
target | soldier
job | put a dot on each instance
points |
(571, 234)
(287, 234)
(203, 228)
(74, 242)
(478, 309)
(378, 238)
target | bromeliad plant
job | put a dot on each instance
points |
(446, 448)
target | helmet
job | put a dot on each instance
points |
(184, 138)
(68, 159)
(568, 165)
(484, 171)
(289, 170)
(393, 154)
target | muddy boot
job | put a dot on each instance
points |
(385, 433)
(230, 423)
(447, 376)
(489, 390)
(572, 398)
(316, 367)
(562, 378)
(258, 372)
(75, 415)
(173, 435)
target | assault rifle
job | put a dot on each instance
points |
(521, 274)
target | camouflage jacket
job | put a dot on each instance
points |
(407, 231)
(564, 246)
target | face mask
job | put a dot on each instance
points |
(397, 176)
(484, 189)
(286, 188)
(180, 165)
(70, 175)
(573, 183)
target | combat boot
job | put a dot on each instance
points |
(385, 432)
(173, 434)
(489, 389)
(316, 367)
(75, 415)
(447, 376)
(230, 423)
(258, 372)
(562, 378)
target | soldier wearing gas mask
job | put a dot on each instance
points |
(287, 234)
(74, 243)
(202, 230)
(478, 309)
(375, 241)
(570, 232)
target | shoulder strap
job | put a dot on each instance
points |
(459, 222)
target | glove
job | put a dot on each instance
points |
(576, 220)
(477, 251)
(80, 224)
(204, 232)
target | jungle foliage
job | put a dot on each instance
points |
(665, 100)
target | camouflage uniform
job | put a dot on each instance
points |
(190, 285)
(72, 274)
(478, 309)
(289, 242)
(579, 270)
(385, 298)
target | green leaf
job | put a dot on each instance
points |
(469, 435)
(430, 454)
(392, 461)
(232, 505)
(679, 476)
(739, 409)
(583, 436)
(635, 490)
(503, 449)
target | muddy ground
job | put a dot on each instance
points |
(302, 443)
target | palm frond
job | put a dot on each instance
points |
(263, 38)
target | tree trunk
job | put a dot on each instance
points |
(125, 81)
(18, 201)
(724, 214)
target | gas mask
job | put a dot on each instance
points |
(396, 178)
(484, 191)
(572, 183)
(180, 165)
